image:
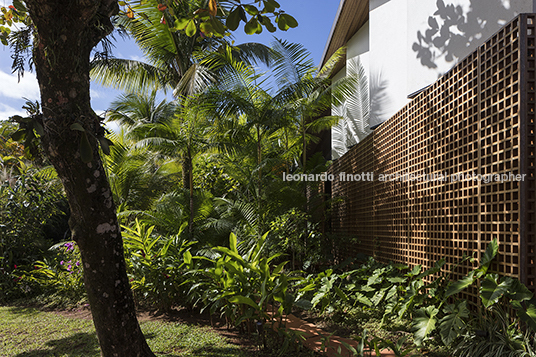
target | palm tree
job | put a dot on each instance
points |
(307, 92)
(183, 135)
(176, 61)
(132, 109)
(137, 176)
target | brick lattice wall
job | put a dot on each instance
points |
(478, 118)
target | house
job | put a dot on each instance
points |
(453, 85)
(403, 47)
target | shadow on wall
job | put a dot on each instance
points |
(380, 103)
(358, 113)
(452, 32)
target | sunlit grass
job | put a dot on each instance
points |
(27, 332)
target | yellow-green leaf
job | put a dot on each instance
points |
(182, 23)
(252, 26)
(190, 29)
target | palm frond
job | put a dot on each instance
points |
(128, 75)
(292, 62)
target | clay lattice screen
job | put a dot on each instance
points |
(476, 119)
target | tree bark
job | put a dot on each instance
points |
(66, 32)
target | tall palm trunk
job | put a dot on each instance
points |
(188, 183)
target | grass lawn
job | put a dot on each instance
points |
(28, 332)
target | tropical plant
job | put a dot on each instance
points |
(156, 265)
(137, 176)
(243, 288)
(60, 273)
(31, 215)
(175, 57)
(182, 137)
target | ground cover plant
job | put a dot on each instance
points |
(52, 334)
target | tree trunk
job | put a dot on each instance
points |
(66, 32)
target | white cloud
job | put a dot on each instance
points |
(94, 94)
(6, 111)
(12, 88)
(137, 58)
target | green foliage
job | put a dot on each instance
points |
(424, 323)
(61, 273)
(31, 217)
(453, 323)
(242, 287)
(156, 265)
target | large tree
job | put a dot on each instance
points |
(64, 34)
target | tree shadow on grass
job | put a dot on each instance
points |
(80, 344)
(218, 352)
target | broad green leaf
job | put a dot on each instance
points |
(18, 135)
(233, 242)
(358, 297)
(285, 21)
(190, 29)
(217, 25)
(396, 279)
(105, 144)
(491, 292)
(518, 291)
(424, 323)
(461, 284)
(187, 256)
(282, 23)
(250, 9)
(233, 20)
(378, 296)
(206, 28)
(278, 268)
(38, 128)
(431, 271)
(230, 253)
(416, 270)
(392, 292)
(489, 254)
(340, 293)
(19, 6)
(303, 304)
(452, 324)
(252, 26)
(239, 299)
(527, 315)
(182, 23)
(273, 3)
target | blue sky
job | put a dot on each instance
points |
(315, 18)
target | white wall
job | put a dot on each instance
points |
(408, 44)
(441, 35)
(348, 132)
(388, 62)
(414, 42)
